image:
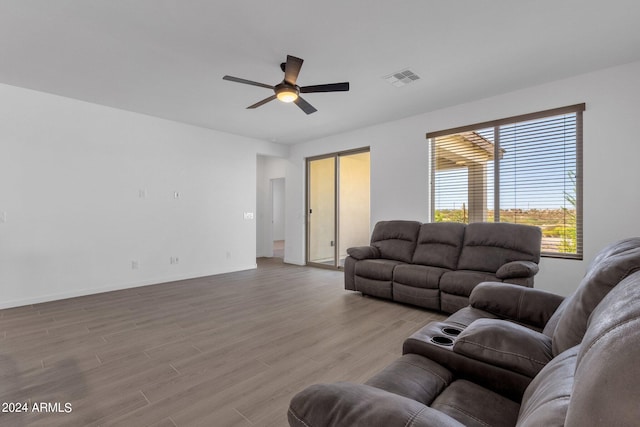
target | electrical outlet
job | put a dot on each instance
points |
(135, 265)
(248, 215)
(142, 193)
(174, 260)
(3, 217)
(176, 194)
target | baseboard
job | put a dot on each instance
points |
(111, 288)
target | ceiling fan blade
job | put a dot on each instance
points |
(247, 82)
(292, 69)
(264, 101)
(330, 87)
(305, 106)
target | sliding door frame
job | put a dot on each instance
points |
(336, 213)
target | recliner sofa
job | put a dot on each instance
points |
(437, 265)
(515, 357)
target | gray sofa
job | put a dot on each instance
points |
(544, 361)
(437, 265)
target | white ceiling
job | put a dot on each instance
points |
(166, 58)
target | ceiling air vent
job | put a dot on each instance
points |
(401, 78)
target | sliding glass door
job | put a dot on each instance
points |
(321, 211)
(338, 198)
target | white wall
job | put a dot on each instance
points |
(278, 207)
(71, 176)
(399, 166)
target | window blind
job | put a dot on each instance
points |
(525, 169)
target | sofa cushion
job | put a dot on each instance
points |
(374, 277)
(462, 282)
(378, 269)
(505, 344)
(467, 315)
(529, 306)
(427, 298)
(363, 252)
(360, 405)
(413, 376)
(396, 240)
(546, 400)
(439, 244)
(606, 384)
(419, 276)
(610, 266)
(450, 303)
(515, 269)
(488, 246)
(476, 406)
(376, 288)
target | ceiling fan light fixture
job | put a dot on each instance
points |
(287, 94)
(288, 91)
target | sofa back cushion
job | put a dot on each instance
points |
(439, 244)
(396, 239)
(488, 246)
(606, 385)
(546, 399)
(614, 263)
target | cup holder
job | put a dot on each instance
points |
(448, 330)
(442, 340)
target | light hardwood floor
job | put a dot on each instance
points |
(226, 350)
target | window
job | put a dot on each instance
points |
(525, 169)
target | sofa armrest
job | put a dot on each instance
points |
(505, 344)
(364, 252)
(529, 306)
(516, 269)
(359, 405)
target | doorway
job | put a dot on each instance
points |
(338, 206)
(277, 217)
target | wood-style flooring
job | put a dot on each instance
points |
(225, 350)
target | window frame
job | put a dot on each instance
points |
(576, 109)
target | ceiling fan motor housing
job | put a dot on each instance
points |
(286, 92)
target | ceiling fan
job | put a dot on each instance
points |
(288, 90)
